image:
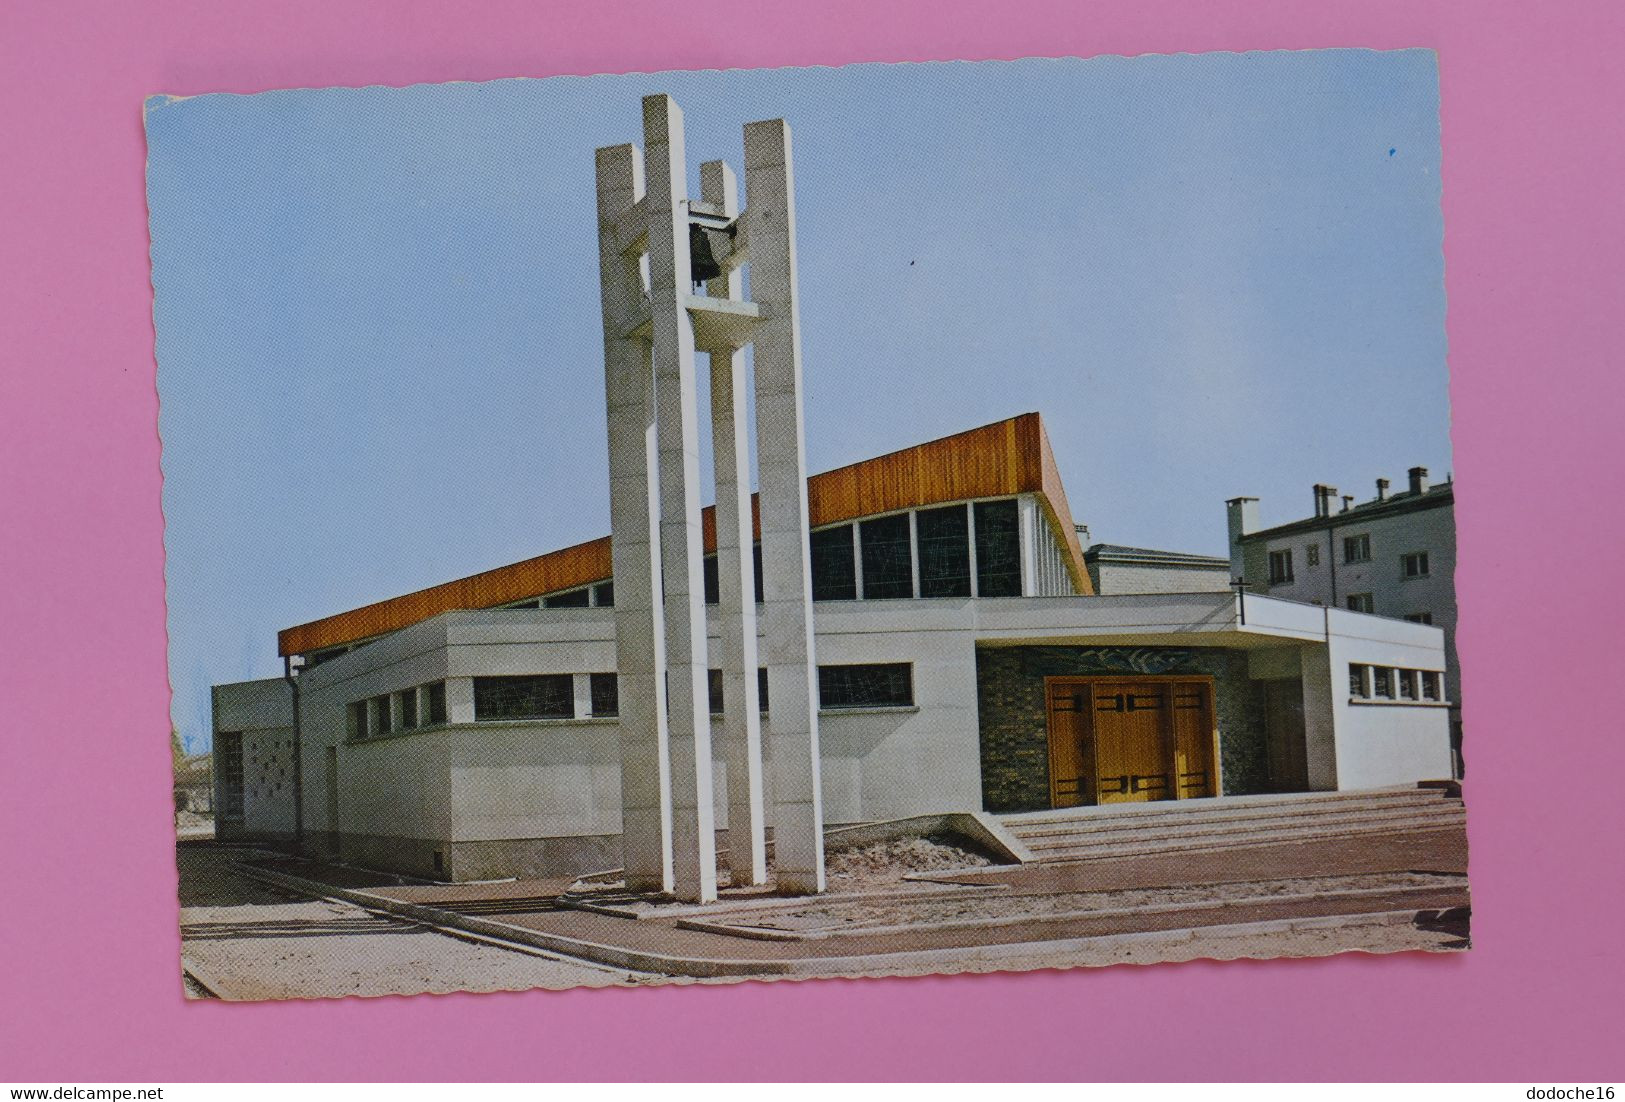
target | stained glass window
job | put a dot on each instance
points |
(888, 568)
(944, 549)
(544, 696)
(883, 685)
(998, 549)
(606, 695)
(834, 572)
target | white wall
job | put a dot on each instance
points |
(1384, 744)
(262, 712)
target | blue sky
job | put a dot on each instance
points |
(379, 349)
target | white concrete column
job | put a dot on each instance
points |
(736, 596)
(459, 700)
(1320, 717)
(694, 864)
(798, 813)
(646, 815)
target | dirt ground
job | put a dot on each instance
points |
(243, 940)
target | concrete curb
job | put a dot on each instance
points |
(711, 968)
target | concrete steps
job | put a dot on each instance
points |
(1136, 830)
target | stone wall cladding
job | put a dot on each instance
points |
(1012, 716)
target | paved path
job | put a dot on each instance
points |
(244, 940)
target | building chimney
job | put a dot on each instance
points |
(1083, 533)
(1242, 513)
(1419, 480)
(1348, 502)
(1324, 496)
(1382, 489)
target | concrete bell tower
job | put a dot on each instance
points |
(657, 249)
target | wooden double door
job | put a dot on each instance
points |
(1130, 739)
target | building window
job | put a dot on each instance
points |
(713, 688)
(998, 549)
(1407, 684)
(1382, 682)
(885, 685)
(437, 702)
(1311, 554)
(888, 568)
(1430, 685)
(1414, 565)
(1360, 602)
(1280, 567)
(713, 581)
(381, 721)
(542, 696)
(756, 565)
(834, 570)
(1357, 548)
(1419, 617)
(575, 598)
(761, 687)
(603, 594)
(606, 694)
(409, 709)
(943, 536)
(356, 719)
(228, 764)
(1359, 684)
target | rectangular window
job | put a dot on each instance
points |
(1430, 685)
(409, 709)
(228, 764)
(761, 687)
(885, 685)
(1280, 567)
(1357, 548)
(382, 721)
(1311, 554)
(713, 581)
(437, 701)
(606, 694)
(1382, 682)
(756, 565)
(1357, 680)
(1407, 684)
(575, 598)
(713, 689)
(1414, 565)
(998, 549)
(540, 696)
(603, 594)
(356, 719)
(1419, 617)
(943, 537)
(888, 567)
(834, 571)
(1360, 602)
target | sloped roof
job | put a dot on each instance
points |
(1004, 458)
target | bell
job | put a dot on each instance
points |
(708, 246)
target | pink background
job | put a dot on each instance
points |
(1532, 172)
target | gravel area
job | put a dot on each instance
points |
(977, 905)
(247, 941)
(881, 864)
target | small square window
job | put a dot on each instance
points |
(1419, 617)
(1430, 685)
(1358, 686)
(1357, 548)
(1414, 565)
(1407, 684)
(1361, 602)
(1382, 682)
